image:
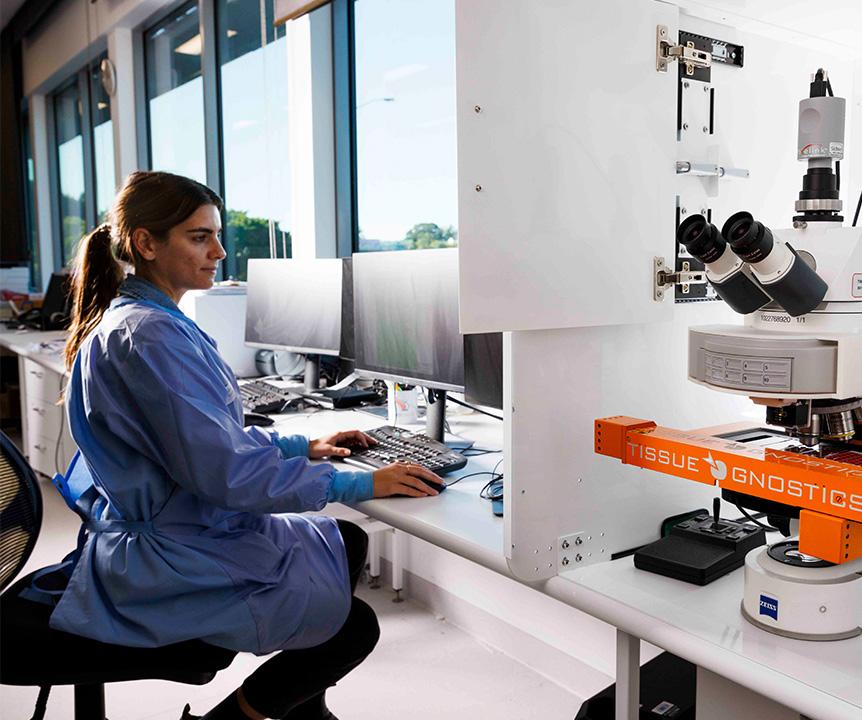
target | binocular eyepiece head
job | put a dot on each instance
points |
(725, 272)
(748, 267)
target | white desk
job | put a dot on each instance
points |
(700, 624)
(46, 441)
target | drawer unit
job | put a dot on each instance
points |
(44, 418)
(40, 454)
(40, 382)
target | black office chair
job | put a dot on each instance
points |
(31, 653)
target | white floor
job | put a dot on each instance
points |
(423, 668)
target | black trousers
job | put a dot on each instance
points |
(291, 684)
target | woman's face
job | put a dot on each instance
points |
(189, 259)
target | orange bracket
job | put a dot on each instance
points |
(829, 492)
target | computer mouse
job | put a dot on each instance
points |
(439, 487)
(257, 419)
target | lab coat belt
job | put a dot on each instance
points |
(112, 526)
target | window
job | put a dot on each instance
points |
(83, 157)
(252, 57)
(69, 139)
(103, 144)
(30, 201)
(405, 138)
(174, 84)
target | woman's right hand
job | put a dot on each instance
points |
(404, 479)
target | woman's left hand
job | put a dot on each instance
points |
(334, 445)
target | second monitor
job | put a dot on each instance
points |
(296, 305)
(406, 323)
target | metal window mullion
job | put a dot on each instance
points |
(142, 104)
(212, 115)
(344, 104)
(87, 142)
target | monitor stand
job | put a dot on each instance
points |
(435, 414)
(311, 381)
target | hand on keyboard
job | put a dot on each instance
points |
(406, 479)
(338, 444)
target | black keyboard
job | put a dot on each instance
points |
(398, 445)
(259, 396)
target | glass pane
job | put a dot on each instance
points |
(30, 204)
(175, 94)
(254, 135)
(70, 167)
(103, 143)
(405, 124)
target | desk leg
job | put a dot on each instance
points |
(374, 559)
(397, 564)
(628, 676)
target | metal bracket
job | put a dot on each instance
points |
(663, 278)
(666, 52)
(705, 169)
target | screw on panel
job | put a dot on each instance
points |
(565, 561)
(579, 541)
(823, 608)
(578, 557)
(703, 211)
(683, 211)
(565, 544)
(685, 84)
(478, 188)
(685, 126)
(663, 32)
(477, 108)
(706, 88)
(705, 129)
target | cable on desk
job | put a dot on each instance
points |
(477, 452)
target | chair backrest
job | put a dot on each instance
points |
(20, 511)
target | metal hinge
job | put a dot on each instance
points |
(688, 54)
(663, 278)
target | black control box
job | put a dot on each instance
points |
(701, 549)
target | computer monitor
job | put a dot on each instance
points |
(405, 313)
(296, 305)
(57, 303)
(483, 369)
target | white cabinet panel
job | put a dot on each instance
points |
(566, 162)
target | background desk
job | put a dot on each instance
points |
(45, 437)
(701, 624)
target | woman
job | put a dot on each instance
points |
(182, 543)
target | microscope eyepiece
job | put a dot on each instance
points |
(750, 240)
(725, 272)
(790, 281)
(701, 239)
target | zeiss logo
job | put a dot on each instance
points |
(769, 607)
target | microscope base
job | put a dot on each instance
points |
(806, 603)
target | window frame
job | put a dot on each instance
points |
(81, 80)
(344, 108)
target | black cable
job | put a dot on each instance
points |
(473, 407)
(837, 175)
(759, 524)
(858, 207)
(475, 474)
(476, 452)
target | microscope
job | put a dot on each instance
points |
(798, 354)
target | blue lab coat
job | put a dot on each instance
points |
(184, 544)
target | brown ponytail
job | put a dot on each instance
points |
(97, 276)
(153, 201)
